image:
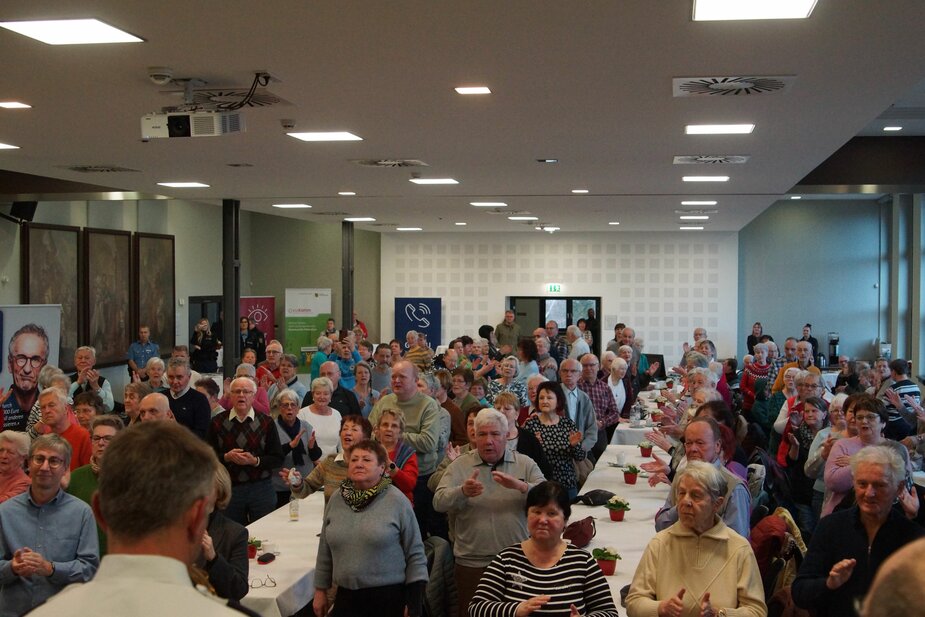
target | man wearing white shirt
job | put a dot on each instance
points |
(578, 346)
(87, 379)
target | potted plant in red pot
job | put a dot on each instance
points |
(606, 559)
(645, 448)
(630, 473)
(253, 545)
(618, 507)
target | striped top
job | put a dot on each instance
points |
(511, 579)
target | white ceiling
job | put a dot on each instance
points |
(589, 83)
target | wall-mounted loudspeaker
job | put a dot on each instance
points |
(23, 210)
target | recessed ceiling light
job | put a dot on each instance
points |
(473, 90)
(796, 197)
(326, 136)
(694, 217)
(614, 223)
(408, 229)
(346, 193)
(705, 178)
(892, 129)
(579, 191)
(523, 218)
(240, 164)
(460, 224)
(434, 181)
(4, 146)
(719, 129)
(549, 161)
(724, 10)
(14, 105)
(691, 227)
(291, 206)
(184, 185)
(550, 228)
(70, 31)
(359, 219)
(488, 204)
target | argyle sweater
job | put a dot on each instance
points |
(256, 435)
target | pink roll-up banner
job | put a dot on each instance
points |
(262, 309)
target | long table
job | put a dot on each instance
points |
(294, 567)
(631, 535)
(297, 541)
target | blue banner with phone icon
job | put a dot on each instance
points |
(420, 315)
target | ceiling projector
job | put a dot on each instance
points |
(191, 124)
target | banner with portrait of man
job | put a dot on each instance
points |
(31, 335)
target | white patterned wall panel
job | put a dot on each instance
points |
(663, 284)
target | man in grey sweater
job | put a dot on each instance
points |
(422, 431)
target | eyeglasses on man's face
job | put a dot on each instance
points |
(53, 461)
(34, 361)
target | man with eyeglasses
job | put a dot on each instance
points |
(155, 510)
(84, 480)
(271, 364)
(578, 405)
(47, 537)
(605, 407)
(53, 406)
(28, 354)
(247, 443)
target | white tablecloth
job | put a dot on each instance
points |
(631, 535)
(294, 567)
(625, 435)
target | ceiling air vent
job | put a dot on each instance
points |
(331, 213)
(98, 169)
(710, 159)
(696, 211)
(730, 86)
(389, 163)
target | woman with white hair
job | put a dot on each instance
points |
(155, 369)
(621, 386)
(507, 382)
(322, 355)
(698, 566)
(14, 448)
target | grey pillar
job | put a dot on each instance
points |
(346, 231)
(231, 286)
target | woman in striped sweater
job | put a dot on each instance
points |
(544, 574)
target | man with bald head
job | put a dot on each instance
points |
(422, 432)
(897, 590)
(247, 443)
(804, 362)
(342, 399)
(155, 408)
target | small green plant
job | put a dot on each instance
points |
(255, 542)
(608, 553)
(617, 503)
(645, 443)
(631, 469)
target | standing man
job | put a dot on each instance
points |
(382, 369)
(342, 399)
(422, 432)
(508, 333)
(87, 379)
(47, 537)
(140, 352)
(189, 407)
(53, 406)
(274, 353)
(903, 420)
(28, 354)
(155, 407)
(247, 443)
(605, 407)
(578, 405)
(558, 346)
(804, 362)
(578, 345)
(154, 510)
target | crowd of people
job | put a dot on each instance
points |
(482, 448)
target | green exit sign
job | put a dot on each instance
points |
(553, 288)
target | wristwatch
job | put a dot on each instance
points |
(721, 613)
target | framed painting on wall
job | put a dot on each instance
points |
(108, 300)
(155, 289)
(50, 268)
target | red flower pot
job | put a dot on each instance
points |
(630, 478)
(251, 551)
(607, 566)
(617, 515)
(645, 452)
